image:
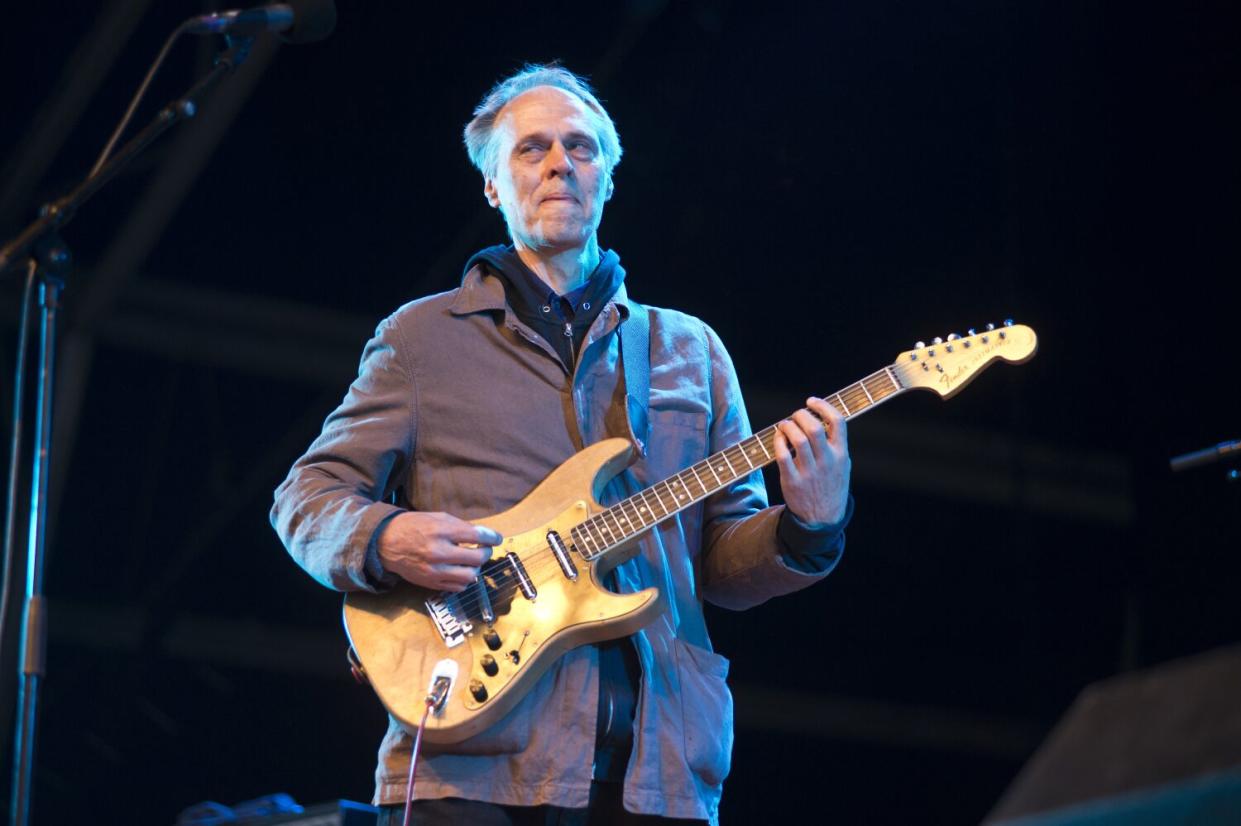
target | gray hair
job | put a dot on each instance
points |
(480, 133)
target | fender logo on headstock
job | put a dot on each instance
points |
(947, 379)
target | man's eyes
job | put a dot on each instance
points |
(583, 150)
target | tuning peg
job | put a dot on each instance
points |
(937, 340)
(990, 327)
(918, 345)
(953, 336)
(1008, 322)
(970, 332)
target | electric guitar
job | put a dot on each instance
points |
(541, 594)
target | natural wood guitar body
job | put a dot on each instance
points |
(400, 645)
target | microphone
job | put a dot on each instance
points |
(1206, 456)
(298, 21)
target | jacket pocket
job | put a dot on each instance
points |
(677, 439)
(706, 711)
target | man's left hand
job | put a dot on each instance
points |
(812, 452)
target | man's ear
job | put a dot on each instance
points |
(489, 192)
(608, 197)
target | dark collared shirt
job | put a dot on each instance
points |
(561, 319)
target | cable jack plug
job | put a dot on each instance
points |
(438, 693)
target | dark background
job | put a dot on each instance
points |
(823, 184)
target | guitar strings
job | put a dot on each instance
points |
(538, 560)
(541, 558)
(850, 402)
(536, 564)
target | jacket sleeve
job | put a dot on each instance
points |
(331, 507)
(744, 562)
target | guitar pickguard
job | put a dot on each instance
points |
(517, 637)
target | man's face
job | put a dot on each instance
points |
(550, 180)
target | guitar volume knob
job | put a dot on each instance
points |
(478, 690)
(489, 664)
(492, 639)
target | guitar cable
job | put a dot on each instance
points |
(435, 701)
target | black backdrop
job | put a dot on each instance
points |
(824, 184)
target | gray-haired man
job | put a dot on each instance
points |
(467, 399)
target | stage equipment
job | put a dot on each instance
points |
(278, 810)
(541, 594)
(46, 260)
(1161, 746)
(340, 813)
(299, 21)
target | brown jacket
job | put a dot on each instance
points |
(459, 407)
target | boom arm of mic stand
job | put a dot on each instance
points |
(54, 215)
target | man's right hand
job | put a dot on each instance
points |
(432, 549)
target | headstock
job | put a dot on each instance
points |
(947, 365)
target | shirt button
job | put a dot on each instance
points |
(546, 309)
(585, 305)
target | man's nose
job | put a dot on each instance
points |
(558, 161)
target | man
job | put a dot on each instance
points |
(467, 399)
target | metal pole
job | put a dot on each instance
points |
(34, 618)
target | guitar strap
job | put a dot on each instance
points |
(635, 341)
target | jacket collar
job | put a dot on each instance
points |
(481, 291)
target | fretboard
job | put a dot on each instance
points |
(628, 518)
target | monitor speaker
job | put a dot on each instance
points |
(339, 813)
(1160, 746)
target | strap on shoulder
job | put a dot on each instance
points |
(635, 339)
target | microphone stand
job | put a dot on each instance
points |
(41, 248)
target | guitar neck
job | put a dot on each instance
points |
(626, 519)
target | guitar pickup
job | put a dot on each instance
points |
(484, 600)
(523, 579)
(562, 555)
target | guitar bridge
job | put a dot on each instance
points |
(451, 627)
